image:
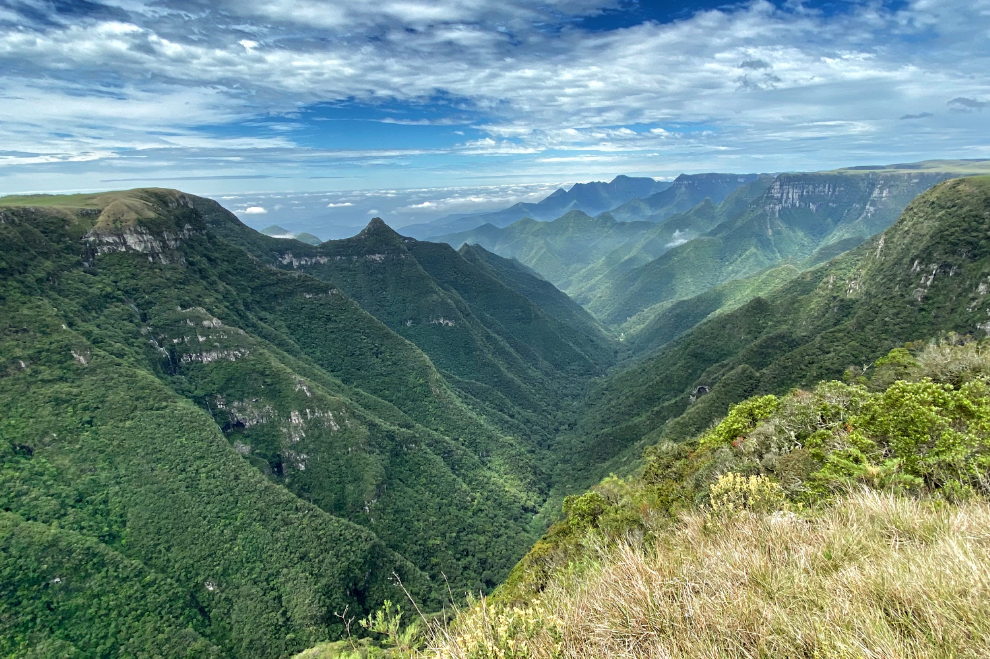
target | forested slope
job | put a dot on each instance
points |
(265, 451)
(924, 275)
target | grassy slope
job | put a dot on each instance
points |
(845, 520)
(873, 576)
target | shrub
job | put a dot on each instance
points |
(733, 494)
(741, 419)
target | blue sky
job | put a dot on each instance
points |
(482, 101)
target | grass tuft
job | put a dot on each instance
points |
(873, 575)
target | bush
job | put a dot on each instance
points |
(733, 494)
(741, 419)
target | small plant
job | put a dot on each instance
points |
(734, 493)
(488, 631)
(387, 622)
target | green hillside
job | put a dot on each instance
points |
(222, 440)
(265, 451)
(524, 280)
(558, 250)
(797, 215)
(506, 356)
(659, 239)
(758, 536)
(922, 276)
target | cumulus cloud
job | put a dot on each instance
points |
(345, 204)
(145, 78)
(253, 210)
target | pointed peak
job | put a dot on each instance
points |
(378, 228)
(376, 224)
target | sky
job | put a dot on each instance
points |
(460, 105)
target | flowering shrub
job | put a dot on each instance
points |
(487, 631)
(734, 493)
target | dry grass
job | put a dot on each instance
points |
(874, 575)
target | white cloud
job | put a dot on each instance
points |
(345, 204)
(679, 238)
(253, 210)
(724, 81)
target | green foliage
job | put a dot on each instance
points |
(847, 312)
(584, 512)
(251, 436)
(925, 435)
(741, 419)
(387, 622)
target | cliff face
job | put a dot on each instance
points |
(862, 204)
(151, 222)
(797, 215)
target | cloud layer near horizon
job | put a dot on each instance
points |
(232, 91)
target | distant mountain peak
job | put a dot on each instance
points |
(377, 227)
(275, 230)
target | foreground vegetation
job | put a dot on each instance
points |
(848, 520)
(875, 575)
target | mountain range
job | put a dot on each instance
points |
(593, 198)
(218, 443)
(626, 273)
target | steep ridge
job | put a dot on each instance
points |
(502, 352)
(924, 275)
(590, 198)
(797, 215)
(249, 446)
(576, 322)
(687, 191)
